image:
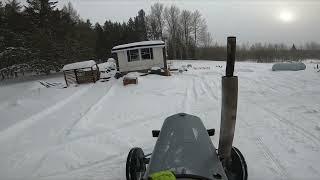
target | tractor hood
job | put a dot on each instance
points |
(185, 147)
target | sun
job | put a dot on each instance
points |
(286, 16)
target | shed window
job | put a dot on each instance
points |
(146, 53)
(133, 55)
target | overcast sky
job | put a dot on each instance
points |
(275, 21)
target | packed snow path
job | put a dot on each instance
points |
(85, 132)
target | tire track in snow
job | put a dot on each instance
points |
(285, 121)
(195, 93)
(81, 167)
(209, 89)
(277, 166)
(269, 155)
(91, 110)
(305, 133)
(187, 99)
(15, 129)
(118, 127)
(302, 131)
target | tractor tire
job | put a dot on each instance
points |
(135, 166)
(238, 169)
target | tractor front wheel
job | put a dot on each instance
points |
(135, 166)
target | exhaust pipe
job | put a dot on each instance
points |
(229, 106)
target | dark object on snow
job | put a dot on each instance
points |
(289, 66)
(146, 74)
(130, 80)
(50, 85)
(189, 66)
(161, 72)
(118, 75)
(184, 146)
(155, 71)
(106, 78)
(44, 84)
(175, 69)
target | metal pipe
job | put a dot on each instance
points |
(229, 106)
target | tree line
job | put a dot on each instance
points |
(41, 38)
(263, 52)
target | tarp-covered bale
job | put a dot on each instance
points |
(289, 66)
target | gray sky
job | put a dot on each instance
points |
(275, 21)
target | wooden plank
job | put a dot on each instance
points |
(64, 74)
(75, 73)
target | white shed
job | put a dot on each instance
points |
(140, 56)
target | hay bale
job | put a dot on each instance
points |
(288, 66)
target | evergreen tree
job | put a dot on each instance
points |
(140, 26)
(100, 42)
(42, 15)
(293, 48)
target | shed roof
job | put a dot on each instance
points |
(138, 44)
(79, 65)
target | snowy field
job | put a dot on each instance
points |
(85, 132)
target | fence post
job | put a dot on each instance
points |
(229, 101)
(164, 58)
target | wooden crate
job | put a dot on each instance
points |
(127, 80)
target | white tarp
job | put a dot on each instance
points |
(288, 66)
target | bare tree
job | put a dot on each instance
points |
(151, 27)
(155, 22)
(171, 16)
(205, 38)
(197, 22)
(72, 12)
(186, 26)
(157, 11)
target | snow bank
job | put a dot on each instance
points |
(111, 60)
(79, 65)
(288, 66)
(106, 66)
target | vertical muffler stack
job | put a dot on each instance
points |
(229, 106)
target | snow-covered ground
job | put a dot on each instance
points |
(85, 132)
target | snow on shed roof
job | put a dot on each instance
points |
(79, 65)
(138, 44)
